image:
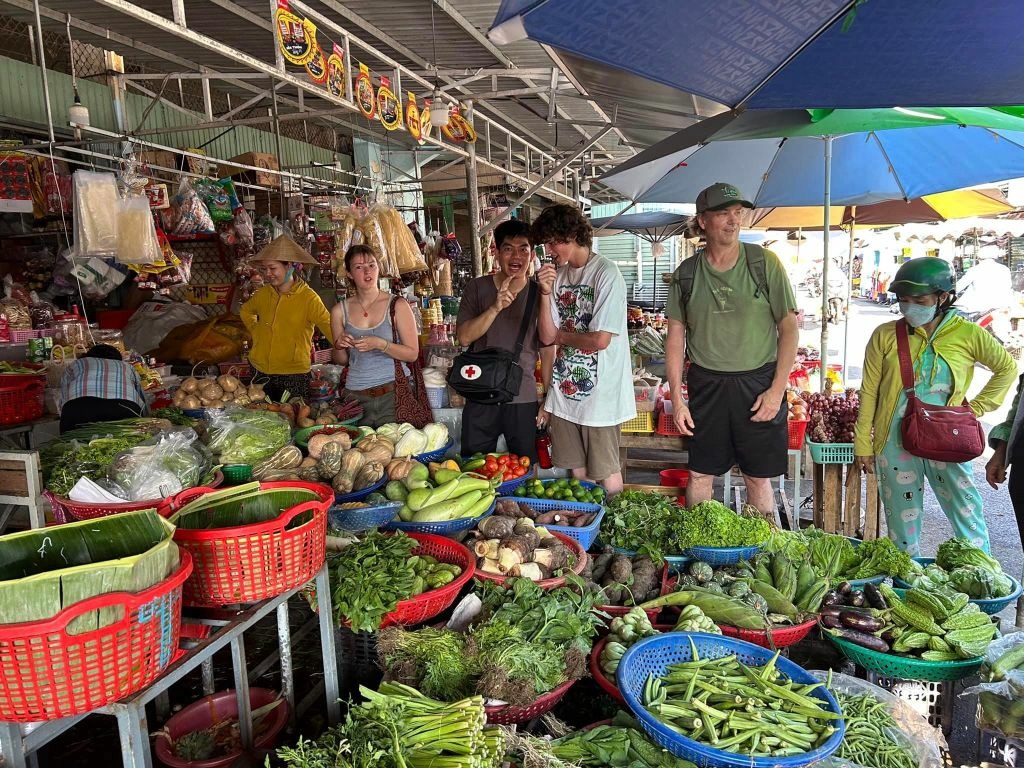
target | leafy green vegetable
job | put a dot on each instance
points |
(954, 553)
(712, 524)
(980, 583)
(78, 460)
(831, 555)
(369, 577)
(641, 522)
(245, 436)
(878, 556)
(436, 660)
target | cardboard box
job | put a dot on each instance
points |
(161, 158)
(257, 159)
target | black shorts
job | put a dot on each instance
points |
(723, 433)
(481, 425)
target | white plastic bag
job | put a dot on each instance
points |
(912, 731)
(155, 319)
(161, 467)
(136, 233)
(96, 207)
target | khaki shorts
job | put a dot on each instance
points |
(596, 449)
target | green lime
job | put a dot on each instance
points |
(521, 491)
(550, 493)
(575, 483)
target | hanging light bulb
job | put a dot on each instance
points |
(78, 113)
(438, 110)
(585, 186)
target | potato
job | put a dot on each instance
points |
(191, 402)
(179, 397)
(190, 385)
(211, 391)
(229, 383)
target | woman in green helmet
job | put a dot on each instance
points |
(944, 348)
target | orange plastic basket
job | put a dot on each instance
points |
(47, 673)
(248, 563)
(797, 429)
(427, 605)
(581, 562)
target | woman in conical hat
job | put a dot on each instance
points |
(281, 317)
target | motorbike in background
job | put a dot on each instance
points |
(995, 321)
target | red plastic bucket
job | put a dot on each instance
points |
(216, 708)
(675, 478)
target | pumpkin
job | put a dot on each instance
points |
(285, 460)
(330, 460)
(342, 483)
(369, 473)
(309, 474)
(398, 469)
(377, 448)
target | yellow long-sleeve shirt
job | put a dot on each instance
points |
(282, 327)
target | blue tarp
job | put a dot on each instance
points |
(765, 53)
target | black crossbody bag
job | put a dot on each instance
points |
(492, 376)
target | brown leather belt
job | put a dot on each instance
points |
(383, 389)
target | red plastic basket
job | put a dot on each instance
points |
(606, 685)
(667, 425)
(47, 673)
(622, 610)
(21, 400)
(779, 637)
(427, 605)
(248, 563)
(797, 429)
(66, 510)
(507, 715)
(581, 563)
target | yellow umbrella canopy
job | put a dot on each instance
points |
(958, 204)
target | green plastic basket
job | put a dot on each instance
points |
(236, 474)
(906, 667)
(830, 453)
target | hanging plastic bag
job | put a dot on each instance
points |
(1001, 692)
(188, 214)
(173, 461)
(245, 436)
(96, 277)
(136, 234)
(911, 733)
(216, 199)
(96, 205)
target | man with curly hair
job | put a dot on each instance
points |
(583, 313)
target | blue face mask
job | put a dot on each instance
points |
(917, 315)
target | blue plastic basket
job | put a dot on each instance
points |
(655, 654)
(361, 494)
(716, 556)
(991, 606)
(586, 535)
(362, 518)
(446, 528)
(437, 455)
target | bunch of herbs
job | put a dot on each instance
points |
(369, 577)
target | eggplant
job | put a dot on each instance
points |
(875, 597)
(844, 588)
(831, 598)
(831, 622)
(856, 598)
(861, 622)
(890, 635)
(832, 611)
(862, 639)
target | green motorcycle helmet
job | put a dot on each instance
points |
(922, 276)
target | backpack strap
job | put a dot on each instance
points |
(755, 266)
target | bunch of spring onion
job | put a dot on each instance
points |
(419, 732)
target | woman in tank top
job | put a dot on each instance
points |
(364, 337)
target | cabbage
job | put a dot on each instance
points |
(974, 581)
(437, 436)
(412, 443)
(954, 553)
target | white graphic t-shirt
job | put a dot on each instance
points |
(590, 387)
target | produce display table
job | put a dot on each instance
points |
(680, 444)
(18, 744)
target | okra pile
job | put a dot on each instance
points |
(732, 706)
(933, 625)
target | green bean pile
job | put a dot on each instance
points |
(868, 741)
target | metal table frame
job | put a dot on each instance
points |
(18, 747)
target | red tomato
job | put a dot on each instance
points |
(503, 460)
(491, 467)
(519, 471)
(524, 461)
(509, 476)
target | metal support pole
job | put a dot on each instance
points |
(849, 294)
(327, 647)
(277, 147)
(242, 691)
(42, 70)
(823, 372)
(284, 643)
(473, 197)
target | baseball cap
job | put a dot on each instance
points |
(720, 195)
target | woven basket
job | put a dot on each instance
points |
(507, 715)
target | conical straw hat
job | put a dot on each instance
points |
(283, 248)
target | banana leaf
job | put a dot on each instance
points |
(242, 505)
(44, 571)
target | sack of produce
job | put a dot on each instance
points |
(882, 730)
(244, 436)
(160, 468)
(1001, 692)
(45, 571)
(207, 341)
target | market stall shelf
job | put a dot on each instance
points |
(228, 631)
